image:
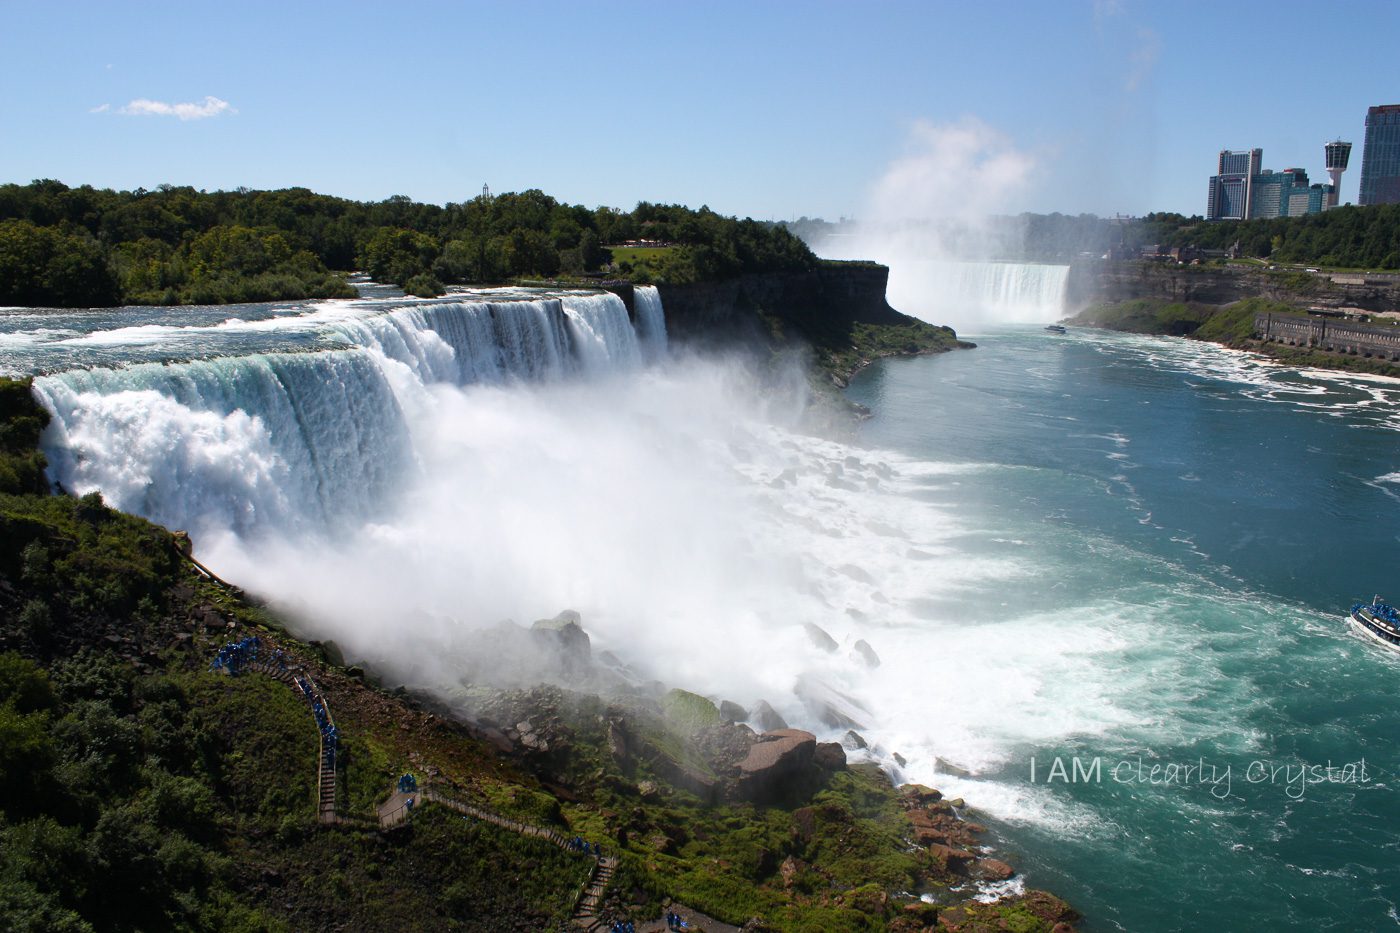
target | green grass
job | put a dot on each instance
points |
(640, 254)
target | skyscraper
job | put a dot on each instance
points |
(1380, 157)
(1231, 189)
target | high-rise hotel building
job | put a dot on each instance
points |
(1380, 156)
(1231, 188)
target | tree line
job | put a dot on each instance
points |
(1347, 237)
(85, 246)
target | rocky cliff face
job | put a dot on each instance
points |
(1102, 281)
(821, 306)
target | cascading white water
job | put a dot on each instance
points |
(296, 443)
(969, 295)
(285, 442)
(651, 320)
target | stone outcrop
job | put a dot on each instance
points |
(817, 304)
(766, 717)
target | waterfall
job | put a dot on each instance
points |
(286, 442)
(967, 294)
(651, 321)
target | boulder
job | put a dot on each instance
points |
(732, 712)
(864, 652)
(830, 756)
(854, 740)
(767, 718)
(775, 759)
(949, 857)
(830, 706)
(994, 870)
(689, 712)
(819, 637)
(918, 794)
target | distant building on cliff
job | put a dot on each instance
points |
(1230, 188)
(1287, 194)
(1243, 190)
(1380, 156)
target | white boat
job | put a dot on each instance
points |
(1378, 621)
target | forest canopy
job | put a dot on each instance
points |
(85, 246)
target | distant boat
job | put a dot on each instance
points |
(1055, 328)
(1378, 621)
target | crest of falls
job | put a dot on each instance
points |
(248, 442)
(970, 295)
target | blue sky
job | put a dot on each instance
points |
(767, 108)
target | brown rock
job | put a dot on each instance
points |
(830, 756)
(918, 794)
(994, 869)
(783, 749)
(775, 760)
(949, 857)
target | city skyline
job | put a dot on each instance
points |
(776, 111)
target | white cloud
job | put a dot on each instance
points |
(100, 108)
(209, 107)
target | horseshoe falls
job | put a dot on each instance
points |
(973, 296)
(1090, 548)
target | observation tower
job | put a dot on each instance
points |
(1338, 154)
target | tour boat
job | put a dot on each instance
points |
(1379, 621)
(1055, 328)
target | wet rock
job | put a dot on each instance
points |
(829, 756)
(854, 740)
(949, 857)
(947, 767)
(994, 870)
(330, 651)
(565, 638)
(918, 795)
(864, 652)
(855, 573)
(732, 712)
(819, 637)
(900, 760)
(774, 759)
(767, 718)
(833, 708)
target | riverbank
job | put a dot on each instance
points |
(1232, 325)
